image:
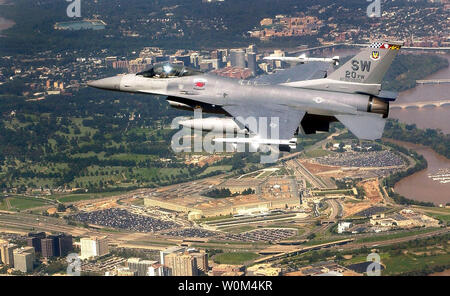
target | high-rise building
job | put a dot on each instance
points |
(186, 59)
(158, 270)
(202, 260)
(251, 58)
(140, 266)
(181, 264)
(34, 240)
(221, 57)
(47, 248)
(170, 250)
(65, 245)
(24, 259)
(7, 253)
(2, 242)
(195, 60)
(94, 247)
(237, 58)
(50, 246)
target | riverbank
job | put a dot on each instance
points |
(420, 186)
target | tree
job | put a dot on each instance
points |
(61, 207)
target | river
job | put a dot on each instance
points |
(420, 186)
(428, 117)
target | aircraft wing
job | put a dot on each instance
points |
(308, 71)
(276, 122)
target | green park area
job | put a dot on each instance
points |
(20, 203)
(402, 234)
(442, 214)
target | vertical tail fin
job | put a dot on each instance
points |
(370, 65)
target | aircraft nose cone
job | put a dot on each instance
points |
(111, 83)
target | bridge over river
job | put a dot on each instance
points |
(421, 104)
(434, 81)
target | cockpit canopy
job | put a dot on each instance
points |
(167, 70)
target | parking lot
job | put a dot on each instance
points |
(191, 232)
(122, 219)
(266, 235)
(362, 159)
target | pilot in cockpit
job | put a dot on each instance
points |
(167, 70)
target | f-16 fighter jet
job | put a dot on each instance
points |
(302, 99)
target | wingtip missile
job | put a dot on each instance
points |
(303, 59)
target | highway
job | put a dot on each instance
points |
(336, 209)
(397, 240)
(348, 244)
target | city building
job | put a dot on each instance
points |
(94, 247)
(181, 264)
(50, 246)
(7, 254)
(237, 58)
(140, 266)
(158, 270)
(169, 250)
(24, 259)
(65, 245)
(343, 227)
(263, 270)
(126, 271)
(227, 269)
(202, 260)
(251, 60)
(221, 58)
(34, 240)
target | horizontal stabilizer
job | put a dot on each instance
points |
(388, 95)
(364, 126)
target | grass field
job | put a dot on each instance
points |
(86, 196)
(223, 168)
(445, 217)
(3, 206)
(317, 153)
(235, 258)
(384, 237)
(24, 203)
(410, 262)
(442, 214)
